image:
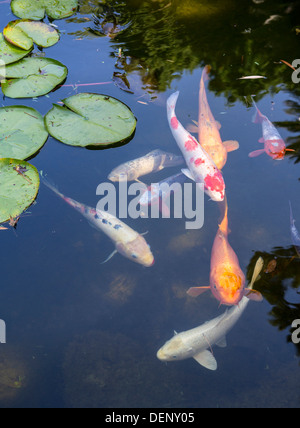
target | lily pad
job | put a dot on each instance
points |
(22, 132)
(19, 185)
(37, 9)
(32, 77)
(10, 53)
(23, 33)
(90, 120)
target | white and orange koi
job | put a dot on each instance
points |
(200, 165)
(227, 280)
(274, 145)
(128, 242)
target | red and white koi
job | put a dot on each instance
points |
(128, 242)
(201, 167)
(274, 145)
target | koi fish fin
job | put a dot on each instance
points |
(261, 140)
(3, 228)
(193, 129)
(196, 291)
(222, 343)
(254, 295)
(206, 359)
(218, 125)
(139, 181)
(257, 269)
(110, 257)
(187, 173)
(256, 153)
(231, 145)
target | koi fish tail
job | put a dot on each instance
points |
(205, 73)
(79, 207)
(50, 185)
(223, 226)
(257, 117)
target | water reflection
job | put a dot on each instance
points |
(280, 286)
(293, 108)
(182, 35)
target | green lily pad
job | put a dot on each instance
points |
(22, 132)
(32, 77)
(19, 185)
(90, 120)
(36, 9)
(10, 53)
(23, 33)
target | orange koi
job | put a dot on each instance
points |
(208, 128)
(227, 280)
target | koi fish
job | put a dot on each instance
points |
(274, 145)
(194, 343)
(208, 128)
(128, 242)
(157, 193)
(294, 232)
(152, 162)
(201, 167)
(227, 280)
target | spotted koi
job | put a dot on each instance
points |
(128, 242)
(201, 167)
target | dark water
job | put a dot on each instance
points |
(83, 334)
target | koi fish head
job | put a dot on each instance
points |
(137, 250)
(174, 349)
(276, 149)
(229, 287)
(214, 186)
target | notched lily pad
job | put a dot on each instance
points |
(37, 9)
(22, 132)
(10, 53)
(91, 120)
(24, 33)
(32, 77)
(19, 185)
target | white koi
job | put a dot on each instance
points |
(151, 162)
(194, 343)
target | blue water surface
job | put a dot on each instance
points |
(85, 334)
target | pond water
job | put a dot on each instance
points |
(85, 334)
